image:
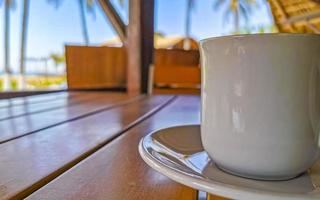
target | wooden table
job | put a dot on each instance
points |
(83, 145)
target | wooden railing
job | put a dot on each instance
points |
(176, 71)
(105, 67)
(95, 67)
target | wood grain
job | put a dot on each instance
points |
(33, 99)
(114, 18)
(176, 57)
(27, 108)
(178, 76)
(14, 94)
(117, 172)
(214, 197)
(105, 67)
(180, 91)
(30, 162)
(28, 124)
(95, 67)
(139, 44)
(177, 71)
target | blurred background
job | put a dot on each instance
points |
(34, 33)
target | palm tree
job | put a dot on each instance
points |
(82, 3)
(8, 5)
(122, 3)
(24, 29)
(238, 8)
(190, 7)
(57, 58)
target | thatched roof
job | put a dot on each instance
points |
(160, 42)
(296, 16)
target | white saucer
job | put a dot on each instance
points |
(177, 152)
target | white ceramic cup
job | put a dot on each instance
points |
(261, 103)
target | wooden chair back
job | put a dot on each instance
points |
(95, 67)
(176, 71)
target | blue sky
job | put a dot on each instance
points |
(50, 28)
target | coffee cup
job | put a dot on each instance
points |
(260, 96)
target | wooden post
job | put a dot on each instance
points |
(139, 44)
(114, 18)
(138, 39)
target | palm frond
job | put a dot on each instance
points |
(55, 3)
(252, 2)
(244, 12)
(217, 4)
(192, 4)
(90, 4)
(243, 7)
(234, 4)
(227, 15)
(121, 3)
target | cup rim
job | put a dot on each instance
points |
(259, 35)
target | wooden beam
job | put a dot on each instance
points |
(313, 27)
(140, 44)
(303, 17)
(114, 18)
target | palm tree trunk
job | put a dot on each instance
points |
(83, 22)
(236, 19)
(7, 36)
(186, 44)
(24, 30)
(188, 19)
(6, 84)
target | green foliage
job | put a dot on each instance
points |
(159, 34)
(257, 29)
(243, 7)
(1, 85)
(45, 82)
(14, 84)
(36, 82)
(58, 58)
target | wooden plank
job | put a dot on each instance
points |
(192, 91)
(29, 124)
(95, 67)
(140, 44)
(176, 57)
(188, 76)
(30, 162)
(214, 197)
(28, 109)
(117, 172)
(43, 98)
(33, 99)
(114, 18)
(177, 80)
(177, 71)
(13, 94)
